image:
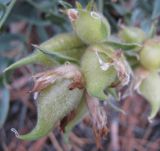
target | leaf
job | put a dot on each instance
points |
(7, 12)
(124, 46)
(54, 103)
(156, 9)
(4, 106)
(56, 56)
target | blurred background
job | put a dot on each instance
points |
(26, 22)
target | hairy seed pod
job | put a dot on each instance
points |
(150, 89)
(62, 43)
(132, 35)
(96, 78)
(91, 27)
(150, 54)
(53, 104)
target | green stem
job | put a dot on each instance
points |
(9, 8)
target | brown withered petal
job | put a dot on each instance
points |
(99, 119)
(121, 68)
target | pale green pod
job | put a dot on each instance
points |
(132, 35)
(150, 54)
(53, 104)
(62, 43)
(96, 78)
(91, 27)
(150, 89)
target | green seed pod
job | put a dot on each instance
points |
(96, 78)
(54, 103)
(150, 89)
(62, 43)
(132, 35)
(150, 54)
(91, 27)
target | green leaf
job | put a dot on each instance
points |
(124, 46)
(4, 105)
(156, 9)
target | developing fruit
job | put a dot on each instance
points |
(150, 54)
(54, 103)
(62, 43)
(91, 27)
(96, 78)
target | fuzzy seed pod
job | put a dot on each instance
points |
(150, 89)
(132, 35)
(96, 78)
(150, 54)
(54, 103)
(91, 27)
(66, 44)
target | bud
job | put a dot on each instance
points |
(91, 27)
(132, 35)
(150, 54)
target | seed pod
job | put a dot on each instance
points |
(54, 102)
(62, 43)
(96, 78)
(150, 89)
(150, 54)
(91, 27)
(132, 35)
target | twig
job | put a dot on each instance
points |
(9, 8)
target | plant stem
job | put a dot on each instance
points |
(9, 8)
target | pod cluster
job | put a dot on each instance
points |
(87, 60)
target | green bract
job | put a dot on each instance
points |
(150, 89)
(54, 103)
(132, 35)
(91, 27)
(96, 78)
(150, 54)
